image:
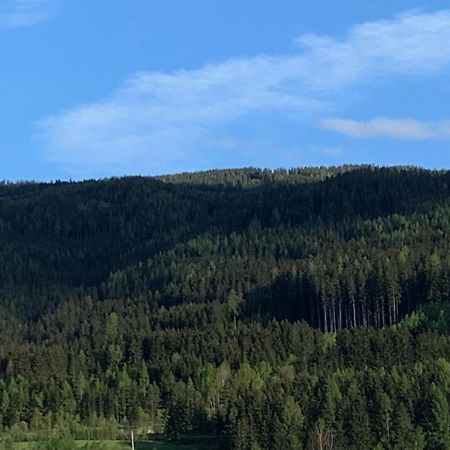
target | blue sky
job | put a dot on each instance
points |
(101, 88)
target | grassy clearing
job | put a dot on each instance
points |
(114, 445)
(103, 445)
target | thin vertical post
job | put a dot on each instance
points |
(132, 440)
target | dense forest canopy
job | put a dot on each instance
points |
(303, 308)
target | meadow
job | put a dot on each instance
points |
(111, 445)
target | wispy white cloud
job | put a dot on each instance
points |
(23, 13)
(386, 127)
(156, 120)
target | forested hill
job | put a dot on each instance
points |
(260, 306)
(337, 247)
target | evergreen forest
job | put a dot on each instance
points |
(267, 309)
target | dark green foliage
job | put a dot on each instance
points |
(271, 309)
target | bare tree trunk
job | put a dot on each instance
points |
(340, 315)
(390, 312)
(322, 437)
(354, 312)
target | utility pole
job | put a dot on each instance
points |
(132, 440)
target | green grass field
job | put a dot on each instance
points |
(114, 445)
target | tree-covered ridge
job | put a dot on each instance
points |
(78, 233)
(266, 307)
(253, 177)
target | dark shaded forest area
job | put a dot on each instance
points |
(300, 309)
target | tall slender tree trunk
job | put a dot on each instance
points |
(354, 312)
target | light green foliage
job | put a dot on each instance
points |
(438, 420)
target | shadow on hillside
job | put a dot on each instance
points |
(83, 259)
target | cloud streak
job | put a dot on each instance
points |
(24, 13)
(385, 127)
(158, 120)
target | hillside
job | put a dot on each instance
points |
(273, 309)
